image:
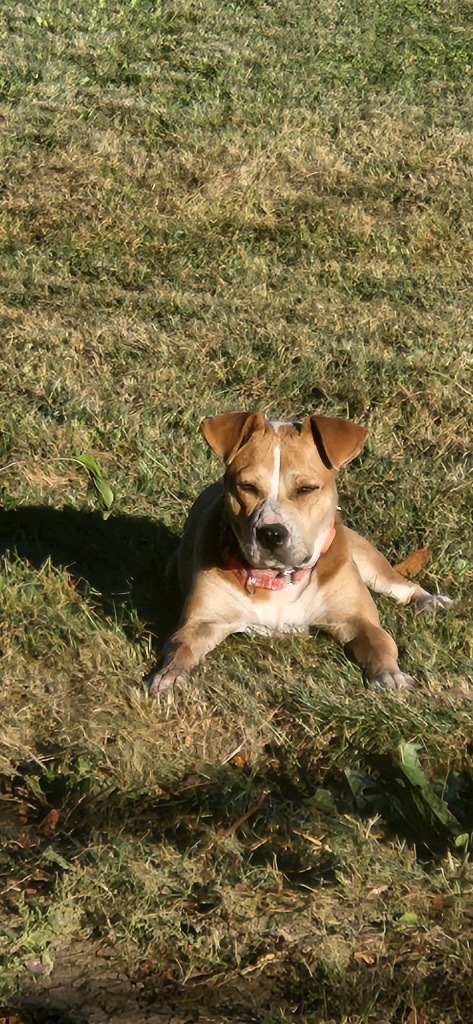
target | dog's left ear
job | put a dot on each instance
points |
(338, 441)
(227, 433)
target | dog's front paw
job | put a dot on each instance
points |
(433, 602)
(392, 681)
(162, 680)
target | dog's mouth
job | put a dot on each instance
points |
(271, 552)
(266, 539)
(272, 546)
(278, 565)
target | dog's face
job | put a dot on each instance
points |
(280, 486)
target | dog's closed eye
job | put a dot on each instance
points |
(308, 489)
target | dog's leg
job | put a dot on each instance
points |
(379, 576)
(351, 616)
(184, 650)
(376, 652)
(200, 631)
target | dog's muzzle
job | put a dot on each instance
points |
(272, 536)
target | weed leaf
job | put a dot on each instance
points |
(405, 798)
(427, 797)
(101, 487)
(51, 856)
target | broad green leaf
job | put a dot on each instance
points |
(34, 786)
(102, 488)
(323, 801)
(410, 917)
(427, 797)
(52, 857)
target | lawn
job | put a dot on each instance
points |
(206, 207)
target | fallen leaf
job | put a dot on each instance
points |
(49, 824)
(414, 562)
(410, 917)
(37, 966)
(378, 890)
(238, 757)
(240, 761)
(367, 959)
(263, 960)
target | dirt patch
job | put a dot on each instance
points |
(89, 984)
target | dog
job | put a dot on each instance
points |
(265, 550)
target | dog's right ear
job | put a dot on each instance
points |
(227, 433)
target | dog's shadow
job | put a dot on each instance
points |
(118, 563)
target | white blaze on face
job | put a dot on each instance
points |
(274, 489)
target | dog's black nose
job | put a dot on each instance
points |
(272, 536)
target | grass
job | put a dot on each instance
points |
(207, 207)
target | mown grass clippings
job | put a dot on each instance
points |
(203, 209)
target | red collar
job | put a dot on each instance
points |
(273, 579)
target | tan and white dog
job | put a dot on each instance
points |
(265, 550)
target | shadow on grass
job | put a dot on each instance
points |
(119, 563)
(34, 1013)
(270, 810)
(263, 809)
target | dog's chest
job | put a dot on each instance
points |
(291, 610)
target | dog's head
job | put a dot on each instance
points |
(280, 486)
